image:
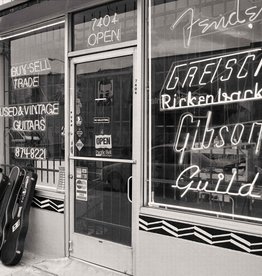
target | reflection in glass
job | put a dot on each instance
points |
(37, 78)
(101, 206)
(205, 144)
(105, 25)
(103, 129)
(103, 109)
(34, 106)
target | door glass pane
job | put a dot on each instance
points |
(103, 108)
(103, 129)
(102, 209)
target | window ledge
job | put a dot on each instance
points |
(49, 193)
(220, 223)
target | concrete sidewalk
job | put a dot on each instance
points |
(32, 265)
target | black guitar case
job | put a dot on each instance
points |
(17, 220)
(4, 180)
(14, 182)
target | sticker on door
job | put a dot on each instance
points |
(81, 189)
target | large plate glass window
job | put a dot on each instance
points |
(205, 117)
(33, 110)
(104, 25)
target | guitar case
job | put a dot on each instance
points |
(17, 213)
(4, 180)
(14, 181)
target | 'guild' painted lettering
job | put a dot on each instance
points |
(186, 183)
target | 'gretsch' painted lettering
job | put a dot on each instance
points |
(215, 71)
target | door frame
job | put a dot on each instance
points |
(124, 254)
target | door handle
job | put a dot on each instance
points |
(128, 188)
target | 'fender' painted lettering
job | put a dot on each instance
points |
(195, 27)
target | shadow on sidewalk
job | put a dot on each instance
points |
(33, 265)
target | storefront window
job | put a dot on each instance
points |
(104, 25)
(34, 103)
(205, 118)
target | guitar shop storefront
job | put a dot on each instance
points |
(142, 120)
(70, 96)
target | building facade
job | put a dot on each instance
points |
(142, 121)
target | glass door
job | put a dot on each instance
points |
(101, 158)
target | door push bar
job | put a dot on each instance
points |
(128, 188)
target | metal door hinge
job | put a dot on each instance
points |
(70, 246)
(135, 86)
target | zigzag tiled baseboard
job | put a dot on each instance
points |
(207, 235)
(54, 205)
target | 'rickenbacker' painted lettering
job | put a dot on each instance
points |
(178, 91)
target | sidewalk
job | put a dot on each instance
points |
(32, 265)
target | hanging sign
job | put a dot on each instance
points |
(30, 153)
(26, 75)
(233, 187)
(103, 141)
(195, 26)
(103, 145)
(51, 108)
(24, 113)
(248, 133)
(106, 29)
(185, 80)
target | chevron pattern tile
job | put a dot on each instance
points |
(48, 204)
(207, 235)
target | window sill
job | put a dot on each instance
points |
(49, 193)
(204, 220)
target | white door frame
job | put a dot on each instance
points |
(118, 257)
